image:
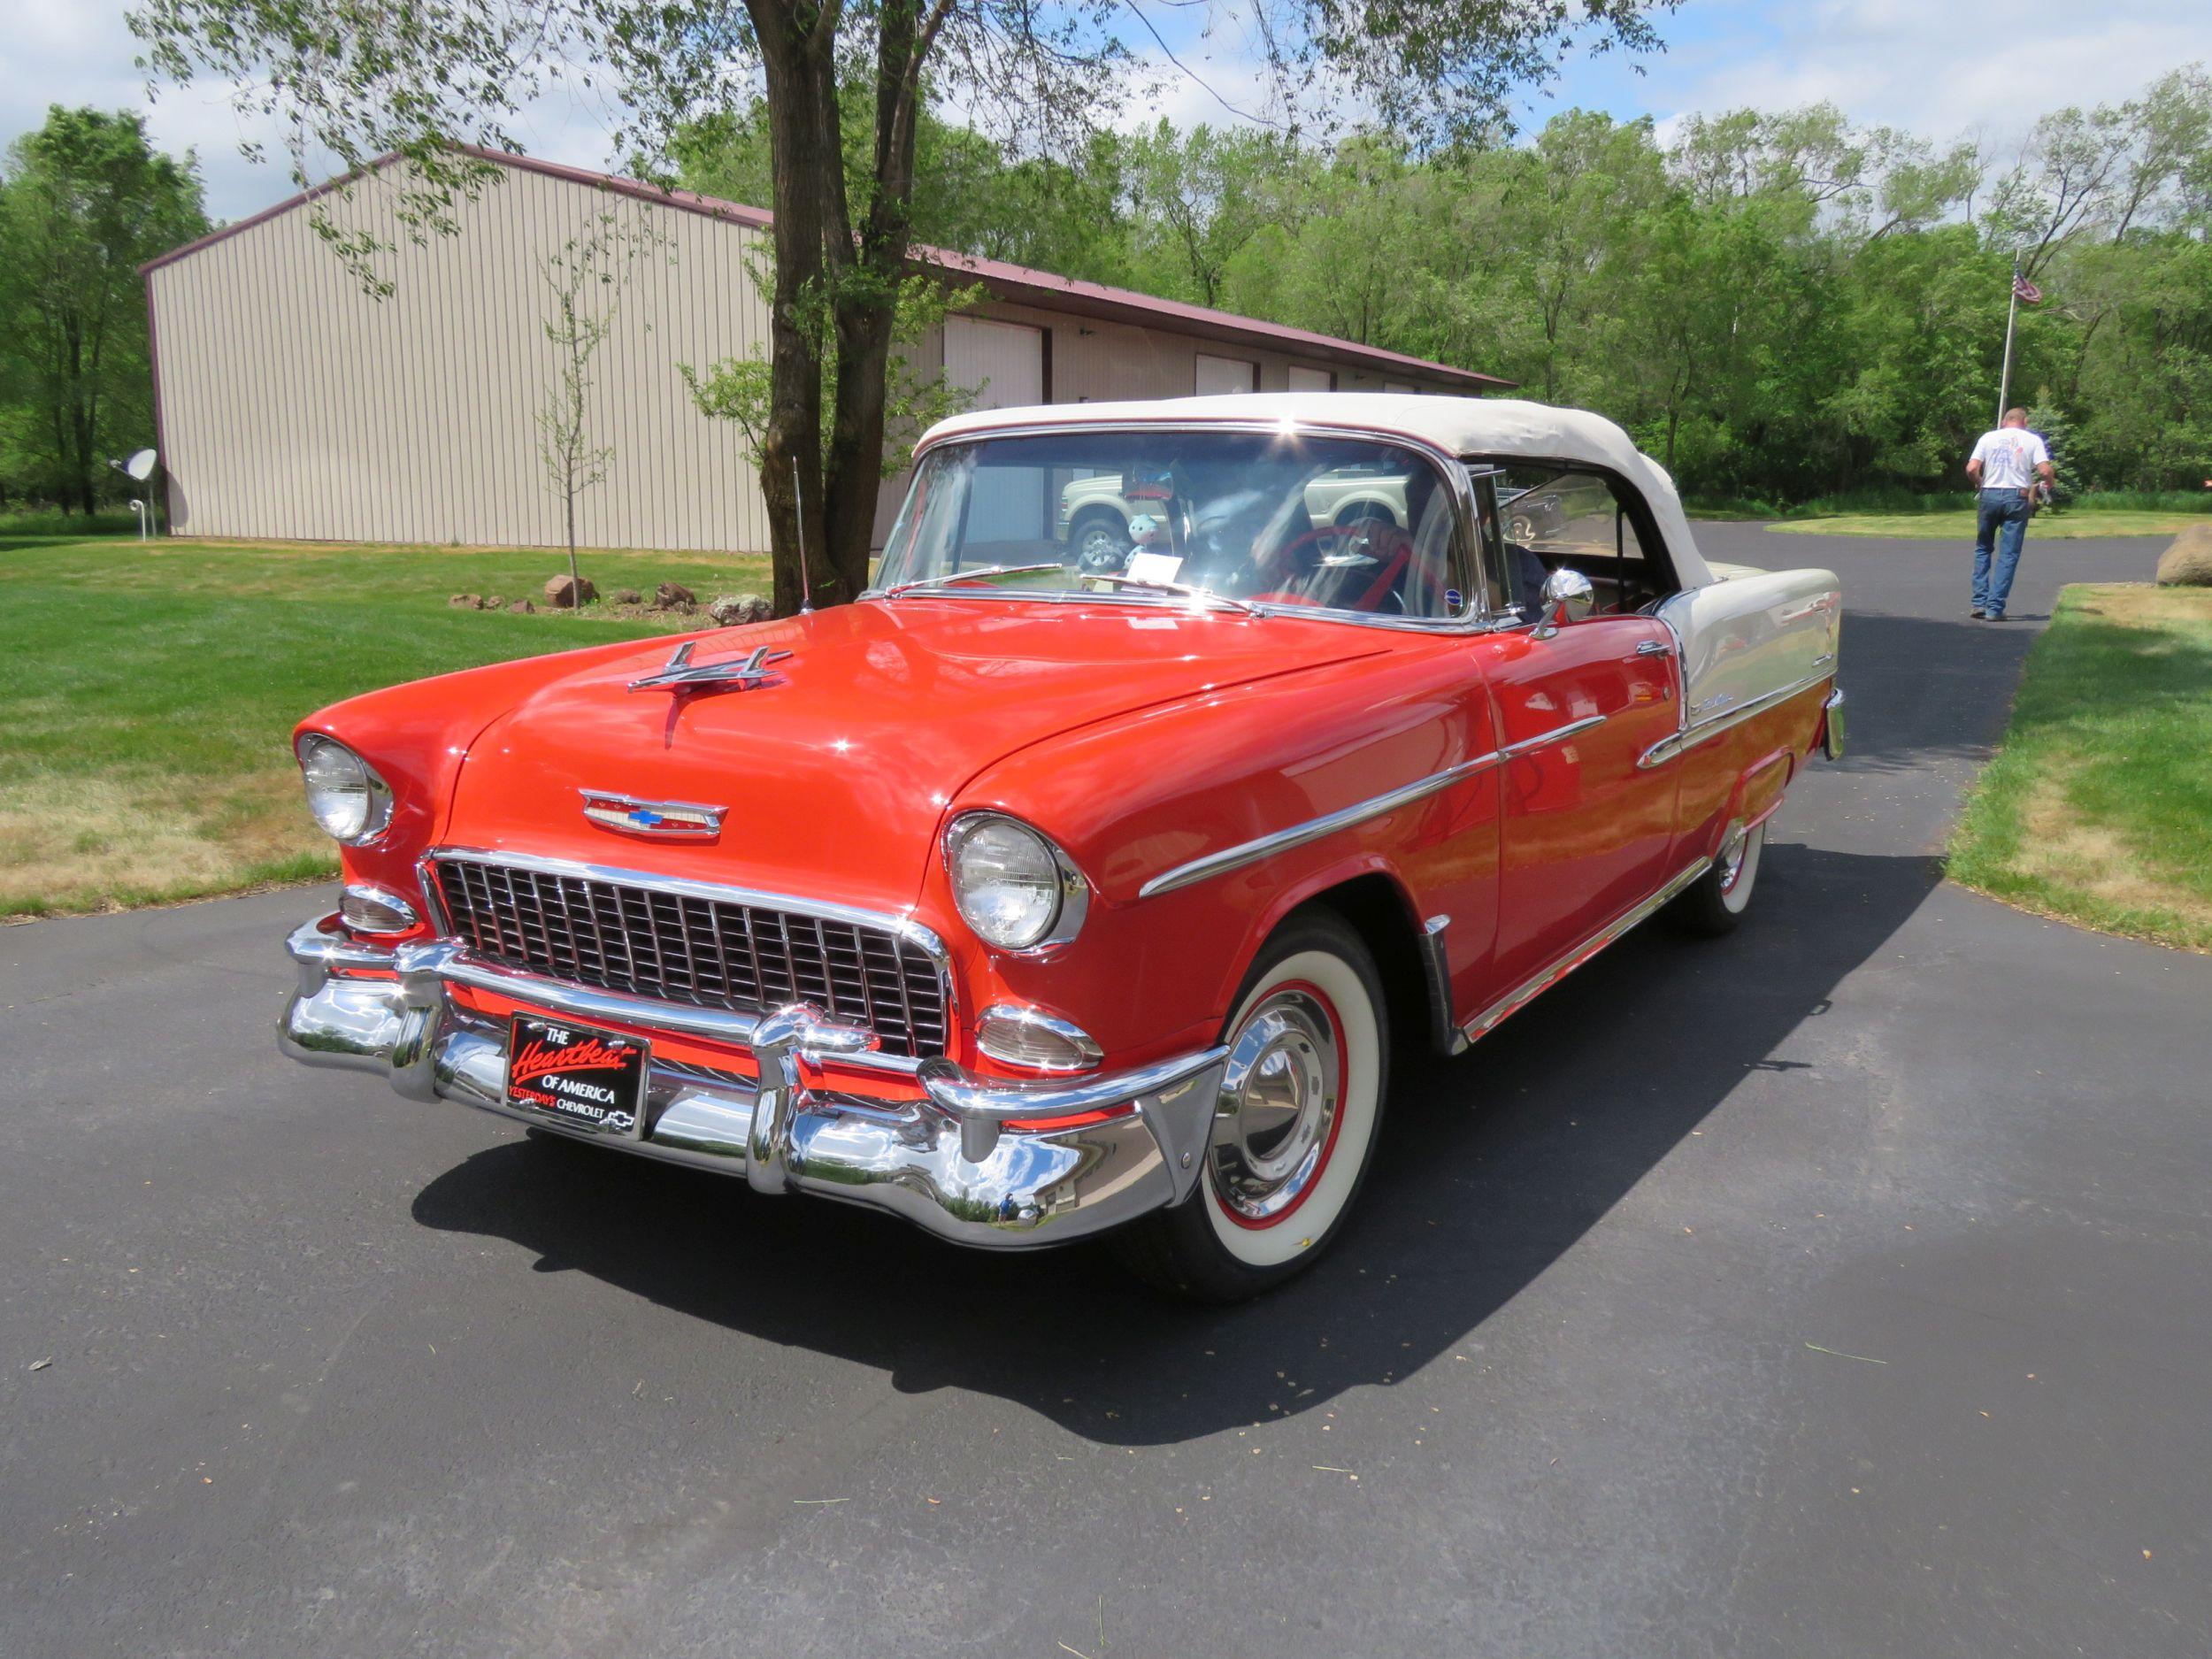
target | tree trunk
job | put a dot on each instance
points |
(799, 63)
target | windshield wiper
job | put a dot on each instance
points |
(945, 578)
(1185, 589)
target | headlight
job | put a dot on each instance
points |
(348, 799)
(1014, 887)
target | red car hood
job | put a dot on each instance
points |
(836, 776)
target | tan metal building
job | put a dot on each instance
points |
(291, 403)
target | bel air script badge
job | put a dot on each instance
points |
(665, 820)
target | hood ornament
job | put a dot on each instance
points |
(664, 820)
(741, 673)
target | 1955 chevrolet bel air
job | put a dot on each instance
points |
(1037, 895)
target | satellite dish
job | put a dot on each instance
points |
(141, 466)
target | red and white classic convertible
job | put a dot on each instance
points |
(1049, 889)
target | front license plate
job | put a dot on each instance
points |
(578, 1075)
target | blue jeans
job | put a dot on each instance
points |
(2002, 519)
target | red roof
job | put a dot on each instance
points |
(1018, 283)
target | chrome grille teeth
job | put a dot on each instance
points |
(679, 947)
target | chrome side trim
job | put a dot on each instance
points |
(1557, 732)
(1314, 829)
(1667, 748)
(1436, 969)
(1542, 980)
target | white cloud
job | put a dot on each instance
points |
(67, 52)
(1938, 67)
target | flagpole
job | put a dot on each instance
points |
(2012, 311)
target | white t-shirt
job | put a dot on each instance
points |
(2009, 457)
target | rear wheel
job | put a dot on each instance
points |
(1293, 1125)
(1714, 903)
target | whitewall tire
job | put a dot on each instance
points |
(1715, 902)
(1294, 1122)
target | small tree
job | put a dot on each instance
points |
(2057, 433)
(740, 389)
(586, 278)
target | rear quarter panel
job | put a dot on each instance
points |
(1751, 636)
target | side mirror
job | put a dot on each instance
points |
(1567, 598)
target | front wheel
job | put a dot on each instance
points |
(1715, 902)
(1294, 1126)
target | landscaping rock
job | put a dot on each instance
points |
(492, 601)
(674, 596)
(627, 596)
(467, 602)
(565, 593)
(522, 608)
(732, 610)
(2188, 562)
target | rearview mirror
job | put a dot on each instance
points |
(1567, 598)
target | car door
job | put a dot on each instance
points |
(1583, 832)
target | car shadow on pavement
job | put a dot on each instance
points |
(1492, 1165)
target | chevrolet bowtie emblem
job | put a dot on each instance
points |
(667, 820)
(741, 673)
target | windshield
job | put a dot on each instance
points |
(1262, 518)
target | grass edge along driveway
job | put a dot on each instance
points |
(1959, 524)
(148, 692)
(2096, 807)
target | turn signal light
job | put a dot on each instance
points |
(1035, 1040)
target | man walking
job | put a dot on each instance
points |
(2004, 465)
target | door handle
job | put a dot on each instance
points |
(1654, 648)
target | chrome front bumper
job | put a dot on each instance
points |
(945, 1162)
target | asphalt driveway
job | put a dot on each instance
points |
(1843, 1287)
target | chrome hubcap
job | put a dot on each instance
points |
(1731, 855)
(1279, 1102)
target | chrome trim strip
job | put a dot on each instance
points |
(829, 910)
(1667, 748)
(1436, 969)
(1314, 829)
(1831, 724)
(1537, 983)
(1513, 750)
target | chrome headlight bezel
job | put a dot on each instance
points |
(1071, 894)
(314, 750)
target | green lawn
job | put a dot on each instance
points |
(2097, 807)
(148, 692)
(1959, 526)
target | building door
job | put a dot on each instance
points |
(1217, 375)
(1311, 379)
(999, 365)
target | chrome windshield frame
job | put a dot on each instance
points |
(1473, 616)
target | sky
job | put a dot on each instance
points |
(1943, 68)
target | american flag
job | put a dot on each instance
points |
(2025, 291)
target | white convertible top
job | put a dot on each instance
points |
(1505, 428)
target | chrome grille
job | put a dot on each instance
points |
(711, 953)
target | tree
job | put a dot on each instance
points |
(359, 79)
(85, 201)
(586, 278)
